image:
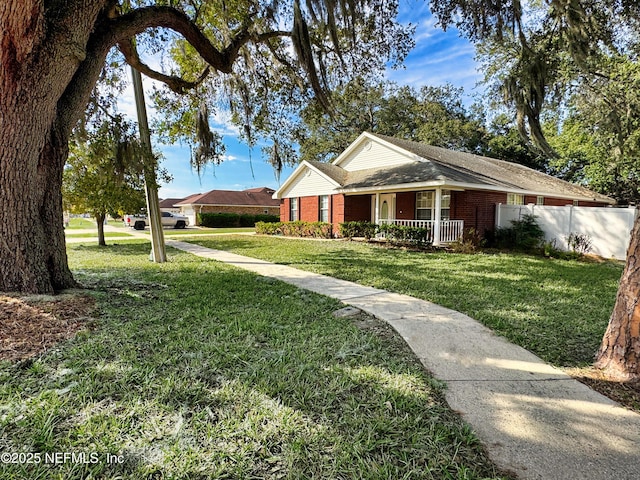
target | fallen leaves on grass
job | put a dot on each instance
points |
(31, 325)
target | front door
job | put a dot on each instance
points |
(387, 208)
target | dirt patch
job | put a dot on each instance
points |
(626, 394)
(31, 325)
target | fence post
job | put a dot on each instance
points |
(498, 212)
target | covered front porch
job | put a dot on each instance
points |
(430, 209)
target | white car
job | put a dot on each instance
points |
(139, 222)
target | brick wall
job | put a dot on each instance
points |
(476, 208)
(555, 202)
(560, 202)
(406, 205)
(357, 207)
(308, 209)
(284, 209)
(238, 209)
(336, 204)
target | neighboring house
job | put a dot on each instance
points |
(253, 201)
(168, 205)
(387, 180)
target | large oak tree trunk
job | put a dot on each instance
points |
(40, 97)
(619, 353)
(32, 156)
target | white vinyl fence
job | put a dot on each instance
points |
(609, 228)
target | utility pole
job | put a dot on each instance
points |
(158, 251)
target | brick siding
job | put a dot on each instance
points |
(357, 207)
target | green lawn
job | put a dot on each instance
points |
(208, 231)
(80, 223)
(202, 231)
(557, 309)
(95, 235)
(197, 370)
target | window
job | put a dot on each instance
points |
(424, 205)
(539, 200)
(515, 199)
(445, 205)
(576, 203)
(324, 208)
(293, 209)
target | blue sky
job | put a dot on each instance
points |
(439, 57)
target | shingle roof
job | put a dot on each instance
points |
(251, 197)
(170, 202)
(337, 174)
(451, 166)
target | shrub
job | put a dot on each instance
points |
(470, 242)
(296, 229)
(269, 228)
(551, 250)
(357, 229)
(524, 234)
(580, 243)
(215, 220)
(405, 234)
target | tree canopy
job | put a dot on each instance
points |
(262, 57)
(104, 172)
(434, 115)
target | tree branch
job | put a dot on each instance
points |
(177, 84)
(137, 21)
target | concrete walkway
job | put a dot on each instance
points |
(535, 420)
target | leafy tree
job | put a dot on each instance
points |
(505, 143)
(433, 115)
(52, 54)
(560, 49)
(103, 175)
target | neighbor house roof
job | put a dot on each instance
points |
(422, 165)
(170, 202)
(252, 197)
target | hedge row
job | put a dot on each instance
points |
(296, 229)
(233, 219)
(393, 233)
(405, 234)
(357, 229)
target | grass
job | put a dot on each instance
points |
(95, 235)
(80, 223)
(209, 231)
(202, 231)
(198, 370)
(557, 309)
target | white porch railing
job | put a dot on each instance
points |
(450, 230)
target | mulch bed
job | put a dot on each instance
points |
(31, 325)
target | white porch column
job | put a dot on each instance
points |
(376, 211)
(437, 217)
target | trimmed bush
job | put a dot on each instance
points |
(357, 229)
(296, 229)
(269, 228)
(405, 234)
(216, 220)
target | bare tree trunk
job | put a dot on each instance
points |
(619, 353)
